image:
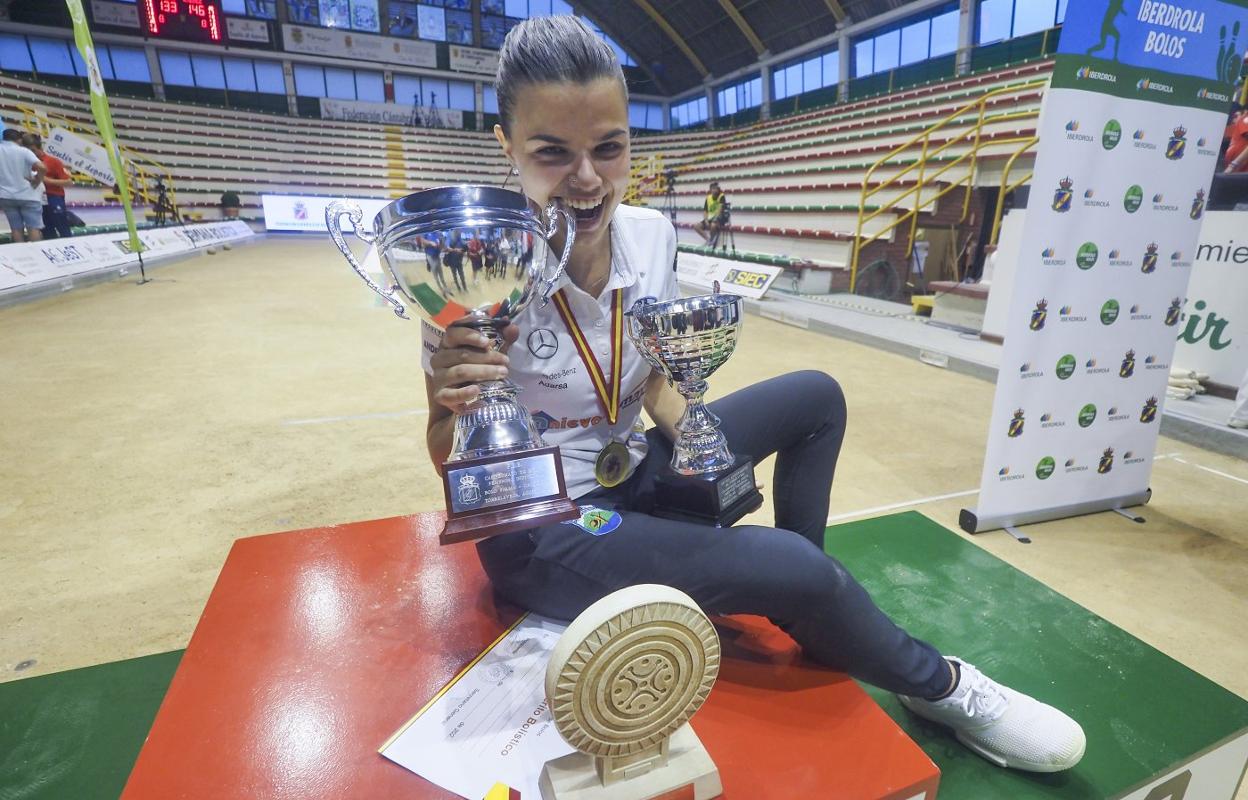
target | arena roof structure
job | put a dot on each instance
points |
(679, 44)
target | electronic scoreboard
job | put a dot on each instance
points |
(189, 20)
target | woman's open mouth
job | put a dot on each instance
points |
(587, 212)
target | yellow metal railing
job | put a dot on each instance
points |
(1007, 187)
(975, 113)
(143, 172)
(642, 173)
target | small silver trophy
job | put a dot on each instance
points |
(687, 340)
(475, 256)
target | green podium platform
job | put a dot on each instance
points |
(1156, 730)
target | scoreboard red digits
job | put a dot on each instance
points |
(192, 20)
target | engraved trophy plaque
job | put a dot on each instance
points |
(688, 339)
(622, 684)
(475, 256)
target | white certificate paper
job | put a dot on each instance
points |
(490, 724)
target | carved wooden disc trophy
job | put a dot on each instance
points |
(622, 684)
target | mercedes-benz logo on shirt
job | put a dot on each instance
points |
(543, 343)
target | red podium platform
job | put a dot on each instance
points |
(317, 645)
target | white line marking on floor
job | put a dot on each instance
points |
(382, 415)
(1219, 473)
(894, 506)
(969, 492)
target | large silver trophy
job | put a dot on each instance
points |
(475, 256)
(688, 339)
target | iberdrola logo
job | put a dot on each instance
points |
(1149, 412)
(1173, 312)
(1016, 425)
(1177, 146)
(1149, 264)
(1064, 195)
(1038, 315)
(1198, 205)
(1107, 461)
(1128, 365)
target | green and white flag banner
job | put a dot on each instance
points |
(103, 118)
(1128, 146)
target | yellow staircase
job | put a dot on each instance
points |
(644, 177)
(396, 166)
(935, 170)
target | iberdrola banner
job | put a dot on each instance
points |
(103, 118)
(1129, 136)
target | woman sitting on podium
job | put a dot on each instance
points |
(563, 103)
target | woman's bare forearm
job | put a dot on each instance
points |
(664, 404)
(440, 432)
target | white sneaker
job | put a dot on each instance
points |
(1236, 422)
(1006, 727)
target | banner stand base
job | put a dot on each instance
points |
(1017, 534)
(1129, 515)
(971, 522)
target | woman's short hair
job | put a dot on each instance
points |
(558, 49)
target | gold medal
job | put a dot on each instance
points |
(611, 466)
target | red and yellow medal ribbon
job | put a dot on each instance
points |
(608, 395)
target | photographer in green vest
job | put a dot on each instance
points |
(712, 213)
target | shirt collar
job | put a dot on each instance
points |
(623, 261)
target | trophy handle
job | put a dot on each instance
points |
(551, 214)
(333, 218)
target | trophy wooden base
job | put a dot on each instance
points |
(689, 774)
(718, 499)
(503, 494)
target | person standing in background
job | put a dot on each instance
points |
(1237, 142)
(21, 176)
(454, 258)
(55, 219)
(504, 252)
(476, 252)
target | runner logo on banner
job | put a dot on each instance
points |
(1128, 133)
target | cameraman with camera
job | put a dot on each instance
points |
(714, 214)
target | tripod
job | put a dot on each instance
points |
(717, 239)
(669, 195)
(425, 118)
(164, 207)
